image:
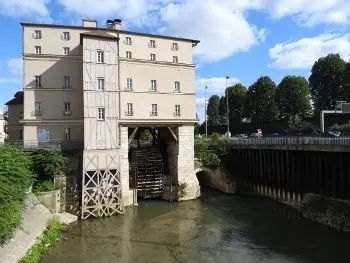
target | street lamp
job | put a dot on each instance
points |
(227, 110)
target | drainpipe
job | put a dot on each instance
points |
(119, 90)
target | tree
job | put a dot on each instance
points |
(222, 110)
(213, 110)
(236, 101)
(326, 82)
(260, 103)
(293, 97)
(346, 81)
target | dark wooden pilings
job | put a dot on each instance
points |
(290, 174)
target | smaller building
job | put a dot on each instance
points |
(13, 114)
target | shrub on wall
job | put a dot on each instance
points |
(15, 179)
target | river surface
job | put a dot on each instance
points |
(216, 228)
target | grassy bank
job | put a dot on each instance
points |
(49, 238)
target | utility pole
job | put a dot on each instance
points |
(205, 112)
(227, 110)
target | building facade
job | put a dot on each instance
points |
(96, 85)
(2, 127)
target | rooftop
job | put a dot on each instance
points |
(17, 100)
(102, 29)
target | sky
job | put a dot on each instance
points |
(242, 39)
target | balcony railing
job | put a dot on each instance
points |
(154, 113)
(37, 113)
(177, 114)
(53, 144)
(129, 113)
(67, 113)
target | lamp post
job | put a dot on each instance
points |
(205, 112)
(227, 110)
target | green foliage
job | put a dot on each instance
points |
(44, 186)
(211, 159)
(214, 117)
(215, 136)
(327, 82)
(15, 179)
(146, 137)
(223, 147)
(47, 163)
(340, 128)
(182, 190)
(293, 97)
(298, 125)
(49, 238)
(260, 103)
(200, 147)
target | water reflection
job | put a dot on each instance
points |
(217, 228)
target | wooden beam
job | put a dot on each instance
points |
(133, 134)
(172, 133)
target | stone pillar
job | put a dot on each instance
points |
(187, 181)
(127, 194)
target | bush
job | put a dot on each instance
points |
(215, 136)
(15, 179)
(296, 125)
(44, 186)
(47, 163)
(200, 147)
(223, 147)
(340, 128)
(210, 160)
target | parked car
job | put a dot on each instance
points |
(332, 134)
(255, 135)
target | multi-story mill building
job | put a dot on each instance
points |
(98, 85)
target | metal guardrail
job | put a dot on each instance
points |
(53, 144)
(342, 141)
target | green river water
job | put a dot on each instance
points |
(215, 228)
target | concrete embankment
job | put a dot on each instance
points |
(34, 222)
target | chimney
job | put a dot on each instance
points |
(117, 24)
(89, 23)
(110, 24)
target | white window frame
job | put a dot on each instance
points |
(130, 109)
(128, 54)
(175, 59)
(178, 110)
(67, 134)
(153, 57)
(66, 82)
(66, 51)
(37, 82)
(37, 34)
(37, 50)
(66, 35)
(100, 56)
(128, 41)
(177, 86)
(100, 84)
(153, 85)
(67, 106)
(152, 43)
(175, 46)
(101, 114)
(154, 109)
(37, 108)
(129, 83)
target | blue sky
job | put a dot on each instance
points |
(240, 39)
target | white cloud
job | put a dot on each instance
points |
(303, 53)
(33, 9)
(215, 85)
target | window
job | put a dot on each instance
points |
(153, 85)
(21, 134)
(153, 57)
(175, 59)
(100, 56)
(130, 110)
(67, 106)
(177, 110)
(66, 36)
(66, 50)
(37, 50)
(67, 133)
(154, 111)
(177, 86)
(66, 83)
(37, 81)
(37, 109)
(129, 83)
(152, 44)
(128, 41)
(101, 84)
(101, 114)
(37, 34)
(128, 54)
(175, 46)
